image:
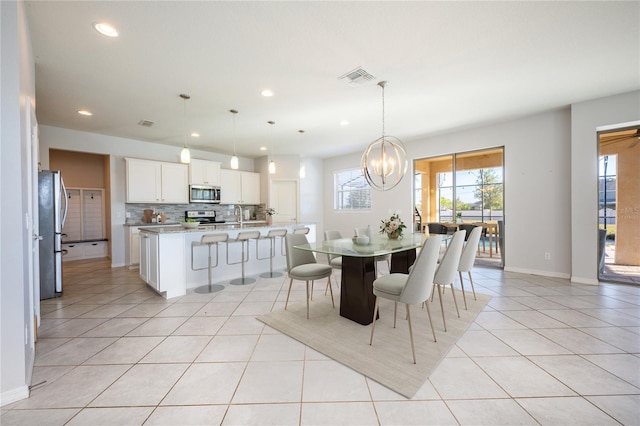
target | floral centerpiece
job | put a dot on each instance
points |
(269, 212)
(393, 226)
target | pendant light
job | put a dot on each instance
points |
(272, 164)
(234, 157)
(303, 169)
(185, 154)
(384, 162)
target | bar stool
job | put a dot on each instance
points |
(271, 235)
(208, 240)
(302, 230)
(243, 238)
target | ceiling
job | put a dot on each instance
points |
(449, 65)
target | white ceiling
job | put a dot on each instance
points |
(449, 65)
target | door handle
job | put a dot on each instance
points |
(37, 237)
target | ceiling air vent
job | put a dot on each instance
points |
(357, 77)
(146, 123)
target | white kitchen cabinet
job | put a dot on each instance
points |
(250, 188)
(204, 172)
(149, 260)
(157, 263)
(132, 246)
(156, 182)
(239, 187)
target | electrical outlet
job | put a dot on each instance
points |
(547, 256)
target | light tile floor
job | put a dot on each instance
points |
(111, 351)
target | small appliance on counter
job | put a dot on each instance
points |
(150, 216)
(203, 216)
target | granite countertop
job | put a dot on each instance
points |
(173, 223)
(214, 227)
(140, 223)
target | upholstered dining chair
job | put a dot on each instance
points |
(334, 261)
(467, 227)
(439, 228)
(413, 288)
(467, 258)
(381, 258)
(446, 272)
(302, 266)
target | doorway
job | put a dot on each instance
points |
(283, 198)
(619, 205)
(464, 188)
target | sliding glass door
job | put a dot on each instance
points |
(463, 188)
(619, 206)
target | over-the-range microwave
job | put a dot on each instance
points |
(204, 194)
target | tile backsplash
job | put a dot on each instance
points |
(175, 212)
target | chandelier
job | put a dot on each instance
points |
(384, 162)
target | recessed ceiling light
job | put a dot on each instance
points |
(195, 135)
(267, 93)
(344, 123)
(105, 29)
(85, 112)
(263, 148)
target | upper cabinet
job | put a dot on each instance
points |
(156, 182)
(237, 187)
(204, 172)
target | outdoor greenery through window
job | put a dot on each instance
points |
(351, 191)
(463, 187)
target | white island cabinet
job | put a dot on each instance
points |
(172, 264)
(158, 267)
(156, 182)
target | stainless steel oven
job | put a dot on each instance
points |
(204, 194)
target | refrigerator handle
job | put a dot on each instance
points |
(66, 202)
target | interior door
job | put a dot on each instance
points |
(33, 226)
(283, 198)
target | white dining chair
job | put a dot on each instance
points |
(334, 260)
(302, 266)
(376, 259)
(413, 288)
(467, 259)
(446, 272)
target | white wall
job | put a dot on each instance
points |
(537, 159)
(17, 83)
(119, 148)
(586, 117)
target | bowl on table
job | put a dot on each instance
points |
(362, 240)
(190, 225)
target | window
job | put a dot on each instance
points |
(351, 190)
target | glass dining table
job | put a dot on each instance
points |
(358, 268)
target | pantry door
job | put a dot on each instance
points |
(283, 198)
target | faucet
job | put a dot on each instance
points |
(238, 213)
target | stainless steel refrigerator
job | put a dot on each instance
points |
(52, 211)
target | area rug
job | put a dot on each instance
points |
(388, 361)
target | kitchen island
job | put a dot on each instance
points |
(171, 264)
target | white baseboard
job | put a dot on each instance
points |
(14, 395)
(117, 265)
(537, 272)
(582, 280)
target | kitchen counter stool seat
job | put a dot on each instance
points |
(271, 236)
(243, 238)
(209, 240)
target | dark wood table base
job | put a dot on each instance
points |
(356, 290)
